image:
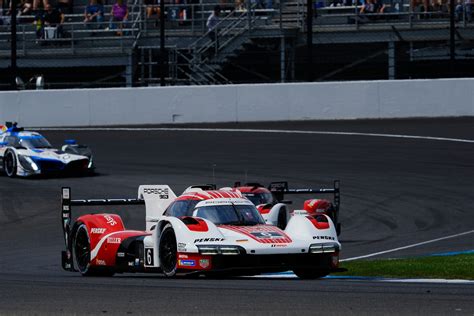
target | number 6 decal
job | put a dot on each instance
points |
(149, 256)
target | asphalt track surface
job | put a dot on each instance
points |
(395, 192)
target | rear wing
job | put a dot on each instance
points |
(279, 189)
(156, 198)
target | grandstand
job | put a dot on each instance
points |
(257, 43)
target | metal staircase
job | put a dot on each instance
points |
(207, 57)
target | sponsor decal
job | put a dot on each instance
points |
(182, 247)
(241, 240)
(187, 263)
(120, 254)
(110, 220)
(183, 257)
(324, 237)
(227, 201)
(278, 245)
(204, 263)
(96, 230)
(114, 240)
(100, 262)
(207, 239)
(267, 235)
(163, 193)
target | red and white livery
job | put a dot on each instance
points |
(274, 208)
(203, 231)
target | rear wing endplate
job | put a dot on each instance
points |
(66, 218)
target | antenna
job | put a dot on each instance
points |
(214, 173)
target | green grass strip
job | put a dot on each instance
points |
(436, 267)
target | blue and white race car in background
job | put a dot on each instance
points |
(27, 153)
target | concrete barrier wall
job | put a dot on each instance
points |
(240, 103)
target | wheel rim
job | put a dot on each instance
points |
(82, 249)
(9, 165)
(168, 251)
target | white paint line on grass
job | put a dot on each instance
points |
(407, 247)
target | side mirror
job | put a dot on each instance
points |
(70, 142)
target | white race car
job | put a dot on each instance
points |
(203, 231)
(28, 153)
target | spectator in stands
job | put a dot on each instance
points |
(94, 13)
(368, 7)
(464, 7)
(212, 22)
(49, 18)
(66, 6)
(25, 7)
(118, 16)
(39, 4)
(54, 18)
(153, 8)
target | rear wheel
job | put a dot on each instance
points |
(9, 164)
(168, 251)
(81, 250)
(310, 274)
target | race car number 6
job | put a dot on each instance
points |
(149, 256)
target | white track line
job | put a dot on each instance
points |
(173, 129)
(406, 247)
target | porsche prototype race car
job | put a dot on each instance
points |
(200, 232)
(271, 204)
(27, 153)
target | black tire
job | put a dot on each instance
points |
(168, 251)
(10, 164)
(81, 253)
(310, 274)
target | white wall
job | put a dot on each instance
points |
(240, 103)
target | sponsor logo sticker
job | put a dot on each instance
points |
(110, 220)
(208, 239)
(265, 235)
(324, 237)
(100, 262)
(114, 240)
(163, 193)
(204, 263)
(96, 230)
(187, 263)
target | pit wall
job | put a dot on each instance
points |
(240, 103)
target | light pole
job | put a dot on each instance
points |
(13, 66)
(162, 44)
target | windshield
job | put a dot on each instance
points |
(259, 198)
(245, 215)
(34, 142)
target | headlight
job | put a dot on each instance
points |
(218, 250)
(324, 248)
(90, 163)
(28, 163)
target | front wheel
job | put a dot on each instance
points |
(310, 274)
(9, 164)
(168, 251)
